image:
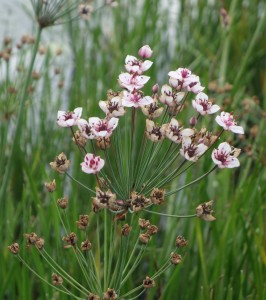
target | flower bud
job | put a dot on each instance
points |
(145, 52)
(155, 88)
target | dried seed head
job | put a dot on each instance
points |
(143, 224)
(35, 75)
(57, 280)
(103, 143)
(39, 243)
(152, 229)
(79, 139)
(7, 40)
(83, 222)
(62, 202)
(144, 238)
(157, 196)
(14, 248)
(138, 202)
(148, 283)
(110, 294)
(126, 230)
(103, 199)
(180, 242)
(12, 90)
(31, 238)
(61, 163)
(71, 240)
(175, 258)
(86, 245)
(42, 50)
(204, 211)
(85, 11)
(50, 186)
(93, 297)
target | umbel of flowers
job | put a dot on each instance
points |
(140, 145)
(130, 179)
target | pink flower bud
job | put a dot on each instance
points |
(193, 121)
(145, 51)
(155, 88)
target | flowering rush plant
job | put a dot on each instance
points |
(135, 152)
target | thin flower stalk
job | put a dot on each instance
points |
(18, 127)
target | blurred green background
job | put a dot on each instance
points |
(225, 259)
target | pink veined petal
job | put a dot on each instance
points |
(78, 111)
(70, 122)
(94, 120)
(124, 78)
(130, 59)
(100, 165)
(60, 113)
(236, 129)
(179, 96)
(146, 65)
(146, 100)
(202, 96)
(113, 122)
(142, 79)
(232, 162)
(186, 142)
(103, 106)
(201, 148)
(127, 103)
(102, 133)
(166, 89)
(216, 161)
(187, 132)
(174, 122)
(214, 108)
(220, 122)
(174, 75)
(224, 147)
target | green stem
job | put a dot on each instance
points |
(16, 136)
(190, 183)
(166, 215)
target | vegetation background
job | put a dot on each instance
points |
(225, 259)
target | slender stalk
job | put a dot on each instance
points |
(190, 183)
(167, 215)
(16, 137)
(48, 283)
(81, 184)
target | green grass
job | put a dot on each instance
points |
(225, 259)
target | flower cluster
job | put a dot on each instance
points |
(188, 141)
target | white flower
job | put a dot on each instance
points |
(135, 66)
(85, 129)
(223, 157)
(203, 106)
(68, 119)
(154, 132)
(227, 121)
(169, 97)
(191, 151)
(113, 107)
(176, 133)
(133, 82)
(92, 164)
(135, 99)
(103, 128)
(152, 110)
